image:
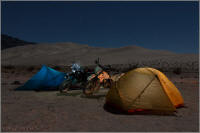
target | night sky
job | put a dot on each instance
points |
(172, 26)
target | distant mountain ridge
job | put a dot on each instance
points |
(9, 42)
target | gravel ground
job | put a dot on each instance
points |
(49, 111)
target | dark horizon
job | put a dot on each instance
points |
(172, 26)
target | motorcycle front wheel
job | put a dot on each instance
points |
(64, 86)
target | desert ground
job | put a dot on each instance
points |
(50, 111)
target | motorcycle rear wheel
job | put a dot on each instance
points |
(92, 87)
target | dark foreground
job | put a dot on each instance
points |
(49, 111)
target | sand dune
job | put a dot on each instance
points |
(65, 53)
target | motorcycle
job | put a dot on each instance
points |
(75, 79)
(89, 82)
(98, 79)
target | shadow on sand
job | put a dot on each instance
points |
(74, 94)
(99, 96)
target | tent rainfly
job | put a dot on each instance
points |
(46, 79)
(144, 89)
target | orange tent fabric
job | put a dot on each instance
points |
(144, 89)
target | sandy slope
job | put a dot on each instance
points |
(66, 53)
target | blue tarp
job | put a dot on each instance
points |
(46, 79)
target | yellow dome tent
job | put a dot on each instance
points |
(144, 89)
